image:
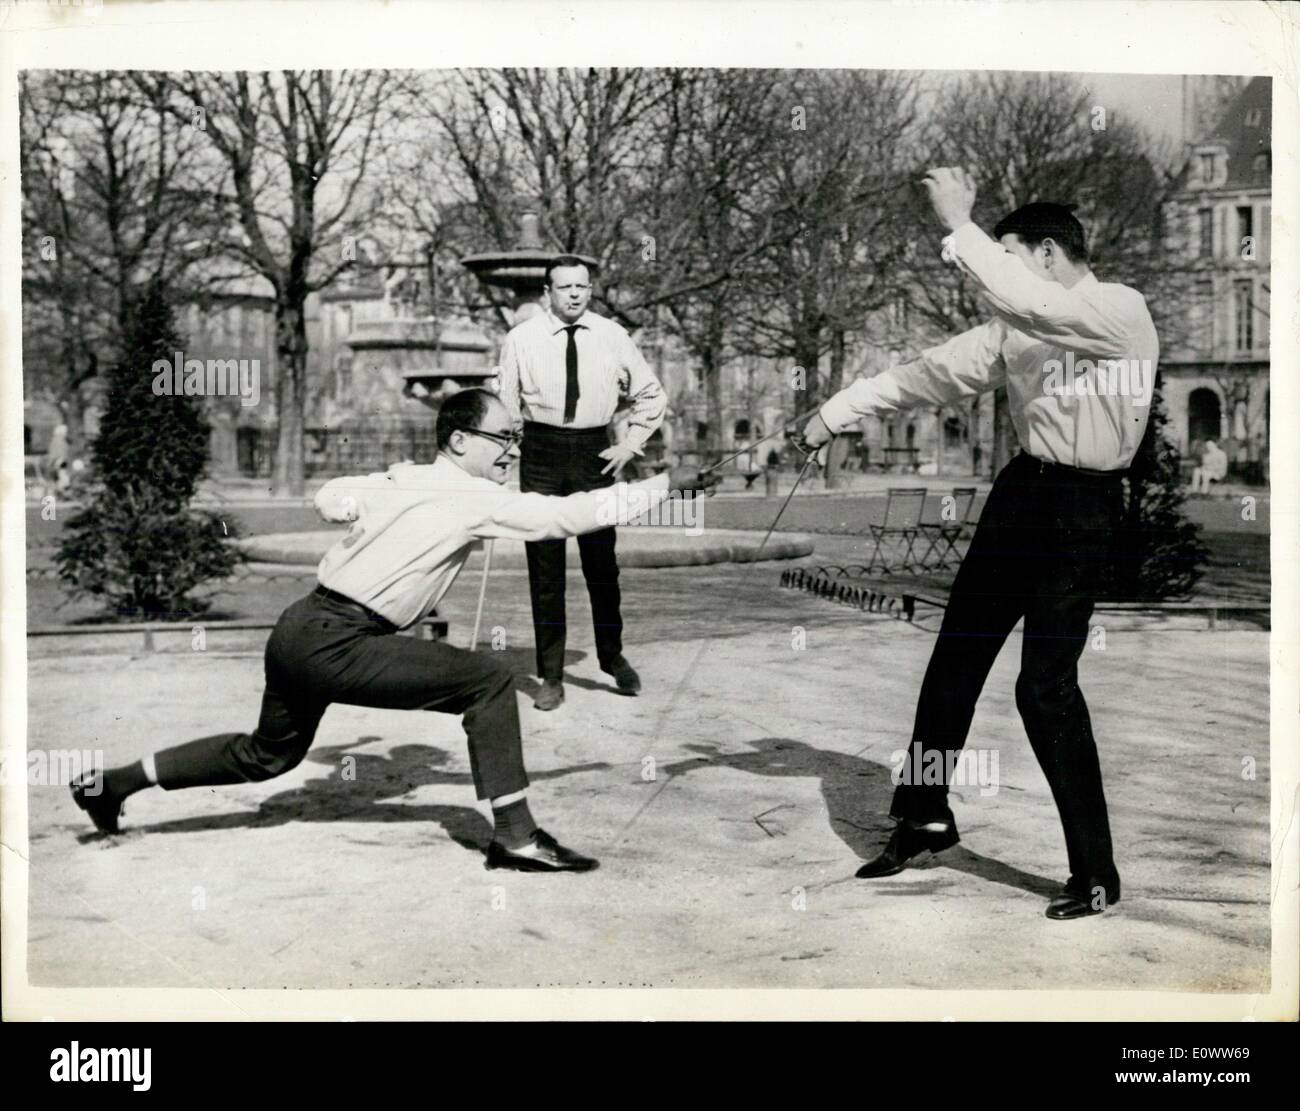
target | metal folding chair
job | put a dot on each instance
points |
(946, 533)
(902, 521)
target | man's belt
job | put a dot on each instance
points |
(343, 600)
(1064, 470)
(564, 431)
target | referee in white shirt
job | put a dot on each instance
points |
(1078, 359)
(563, 373)
(411, 530)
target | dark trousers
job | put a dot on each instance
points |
(1042, 547)
(324, 651)
(556, 460)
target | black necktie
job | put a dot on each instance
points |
(571, 375)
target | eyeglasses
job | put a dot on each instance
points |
(509, 439)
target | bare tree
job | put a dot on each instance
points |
(110, 204)
(836, 179)
(297, 150)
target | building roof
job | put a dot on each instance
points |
(1246, 129)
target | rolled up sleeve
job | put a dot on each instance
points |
(342, 500)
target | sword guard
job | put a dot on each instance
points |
(807, 450)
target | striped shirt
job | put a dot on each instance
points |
(610, 369)
(1079, 364)
(414, 526)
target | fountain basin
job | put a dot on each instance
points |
(637, 547)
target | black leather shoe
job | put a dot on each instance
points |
(628, 681)
(543, 854)
(907, 841)
(104, 809)
(1077, 901)
(550, 696)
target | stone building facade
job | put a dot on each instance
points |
(1215, 316)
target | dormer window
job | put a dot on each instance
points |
(1253, 117)
(1211, 165)
(1262, 164)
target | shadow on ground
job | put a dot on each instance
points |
(852, 787)
(363, 788)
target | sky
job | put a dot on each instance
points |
(1154, 100)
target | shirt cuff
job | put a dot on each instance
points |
(837, 414)
(957, 243)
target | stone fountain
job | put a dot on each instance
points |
(523, 270)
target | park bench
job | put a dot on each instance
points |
(902, 458)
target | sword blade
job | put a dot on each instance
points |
(808, 462)
(751, 447)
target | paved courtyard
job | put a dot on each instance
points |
(730, 804)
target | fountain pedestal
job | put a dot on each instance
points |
(523, 270)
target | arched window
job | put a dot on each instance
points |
(1204, 416)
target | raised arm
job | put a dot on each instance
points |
(1087, 317)
(965, 365)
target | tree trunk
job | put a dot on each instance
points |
(974, 424)
(74, 417)
(713, 402)
(223, 444)
(835, 382)
(290, 397)
(938, 443)
(805, 356)
(1005, 442)
(839, 450)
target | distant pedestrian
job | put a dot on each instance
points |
(1213, 468)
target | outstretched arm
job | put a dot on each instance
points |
(540, 517)
(968, 364)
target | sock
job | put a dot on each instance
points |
(513, 824)
(120, 782)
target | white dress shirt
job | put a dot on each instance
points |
(533, 378)
(1079, 364)
(414, 526)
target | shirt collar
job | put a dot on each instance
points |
(558, 325)
(449, 471)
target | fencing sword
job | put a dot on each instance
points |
(750, 447)
(811, 457)
(482, 593)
